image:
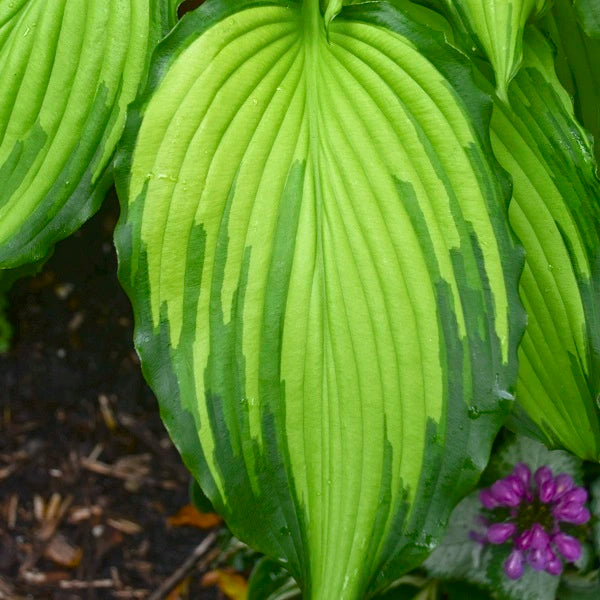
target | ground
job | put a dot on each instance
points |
(88, 476)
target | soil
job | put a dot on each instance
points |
(88, 475)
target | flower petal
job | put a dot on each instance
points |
(488, 500)
(539, 538)
(504, 493)
(568, 546)
(542, 475)
(564, 483)
(523, 472)
(547, 491)
(523, 540)
(498, 533)
(513, 565)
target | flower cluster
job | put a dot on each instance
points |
(533, 513)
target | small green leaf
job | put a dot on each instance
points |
(6, 330)
(270, 581)
(68, 70)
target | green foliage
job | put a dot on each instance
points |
(319, 208)
(270, 581)
(68, 70)
(198, 498)
(258, 245)
(555, 212)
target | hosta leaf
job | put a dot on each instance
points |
(497, 26)
(577, 64)
(555, 212)
(315, 244)
(68, 70)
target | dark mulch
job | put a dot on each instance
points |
(85, 463)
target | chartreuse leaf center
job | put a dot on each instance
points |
(324, 284)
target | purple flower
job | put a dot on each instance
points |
(531, 510)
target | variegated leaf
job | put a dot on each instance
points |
(555, 212)
(325, 289)
(68, 70)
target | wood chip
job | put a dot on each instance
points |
(38, 508)
(11, 511)
(53, 507)
(60, 551)
(107, 412)
(7, 592)
(95, 453)
(76, 322)
(39, 578)
(84, 513)
(6, 472)
(124, 526)
(74, 584)
(54, 513)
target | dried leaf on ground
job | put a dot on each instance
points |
(181, 592)
(191, 516)
(232, 584)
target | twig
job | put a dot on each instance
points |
(75, 584)
(185, 569)
(130, 594)
(11, 511)
(133, 470)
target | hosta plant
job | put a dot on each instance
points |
(333, 216)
